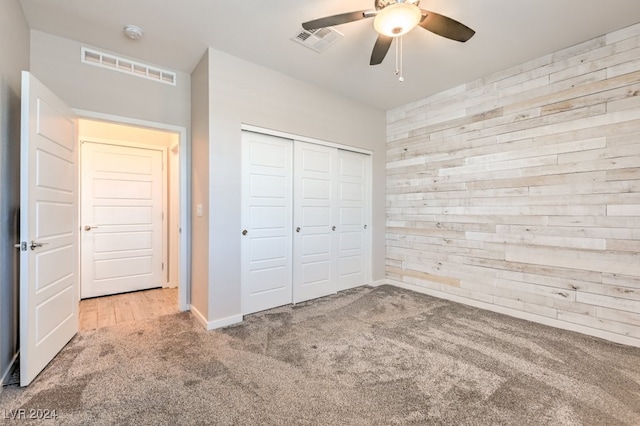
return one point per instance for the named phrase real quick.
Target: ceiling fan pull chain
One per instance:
(397, 71)
(399, 59)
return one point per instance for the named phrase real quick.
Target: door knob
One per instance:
(365, 227)
(89, 227)
(298, 229)
(333, 228)
(244, 232)
(34, 245)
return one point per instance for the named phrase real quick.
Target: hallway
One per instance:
(104, 311)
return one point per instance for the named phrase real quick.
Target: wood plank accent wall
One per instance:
(520, 192)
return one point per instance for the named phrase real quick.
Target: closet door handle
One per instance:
(333, 228)
(298, 229)
(244, 232)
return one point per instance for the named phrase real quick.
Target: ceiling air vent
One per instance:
(318, 40)
(106, 60)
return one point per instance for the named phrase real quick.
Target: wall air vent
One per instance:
(318, 40)
(106, 60)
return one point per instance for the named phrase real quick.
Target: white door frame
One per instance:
(184, 261)
(294, 137)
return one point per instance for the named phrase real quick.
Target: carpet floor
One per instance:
(368, 356)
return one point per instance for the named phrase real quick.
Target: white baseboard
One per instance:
(378, 283)
(212, 325)
(224, 322)
(201, 319)
(612, 337)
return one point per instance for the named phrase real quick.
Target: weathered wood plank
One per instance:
(425, 276)
(601, 324)
(522, 189)
(612, 262)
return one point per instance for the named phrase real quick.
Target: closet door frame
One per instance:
(368, 192)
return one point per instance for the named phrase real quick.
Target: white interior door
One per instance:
(122, 219)
(267, 222)
(316, 220)
(48, 228)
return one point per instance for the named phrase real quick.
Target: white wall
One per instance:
(200, 132)
(55, 61)
(113, 132)
(242, 92)
(520, 192)
(14, 57)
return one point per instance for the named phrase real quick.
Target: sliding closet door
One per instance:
(267, 208)
(353, 212)
(315, 244)
(305, 215)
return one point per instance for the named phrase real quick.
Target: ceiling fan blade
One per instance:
(380, 49)
(343, 18)
(446, 27)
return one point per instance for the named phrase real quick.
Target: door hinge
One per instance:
(163, 266)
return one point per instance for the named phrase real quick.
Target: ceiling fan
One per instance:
(394, 18)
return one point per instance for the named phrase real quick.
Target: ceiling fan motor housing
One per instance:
(381, 4)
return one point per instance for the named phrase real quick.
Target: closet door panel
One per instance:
(315, 218)
(267, 205)
(353, 214)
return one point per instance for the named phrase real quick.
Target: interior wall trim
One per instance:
(286, 135)
(224, 322)
(198, 316)
(612, 337)
(212, 325)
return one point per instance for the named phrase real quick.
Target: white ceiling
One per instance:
(508, 32)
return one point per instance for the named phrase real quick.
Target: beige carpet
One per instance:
(380, 356)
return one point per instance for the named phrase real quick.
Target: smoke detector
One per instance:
(133, 32)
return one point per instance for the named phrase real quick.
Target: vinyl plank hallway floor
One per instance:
(104, 311)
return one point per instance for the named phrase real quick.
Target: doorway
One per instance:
(106, 311)
(130, 183)
(49, 226)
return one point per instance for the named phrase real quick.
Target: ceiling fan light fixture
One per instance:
(397, 19)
